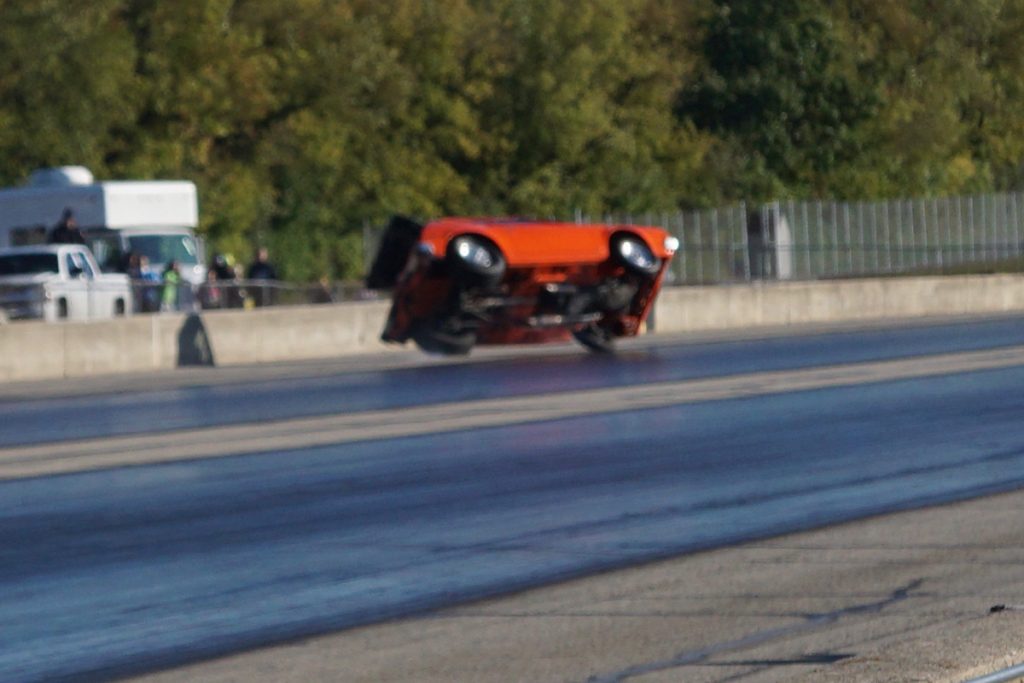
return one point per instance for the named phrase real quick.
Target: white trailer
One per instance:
(154, 218)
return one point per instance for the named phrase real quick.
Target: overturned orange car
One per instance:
(458, 282)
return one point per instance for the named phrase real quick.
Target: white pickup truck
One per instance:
(60, 282)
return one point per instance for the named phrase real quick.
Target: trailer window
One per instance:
(28, 264)
(24, 237)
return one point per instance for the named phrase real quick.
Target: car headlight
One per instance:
(671, 244)
(636, 252)
(471, 251)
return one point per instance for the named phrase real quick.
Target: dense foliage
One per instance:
(304, 121)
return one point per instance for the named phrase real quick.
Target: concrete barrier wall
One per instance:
(787, 303)
(37, 350)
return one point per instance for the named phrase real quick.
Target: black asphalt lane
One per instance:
(107, 573)
(24, 422)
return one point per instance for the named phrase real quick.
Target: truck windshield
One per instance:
(28, 264)
(165, 248)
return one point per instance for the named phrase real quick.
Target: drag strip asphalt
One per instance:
(121, 554)
(283, 435)
(193, 399)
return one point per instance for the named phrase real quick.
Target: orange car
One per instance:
(463, 281)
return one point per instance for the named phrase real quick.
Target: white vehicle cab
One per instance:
(60, 282)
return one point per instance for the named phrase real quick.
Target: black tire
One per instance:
(438, 337)
(634, 254)
(399, 238)
(62, 309)
(595, 338)
(473, 260)
(119, 308)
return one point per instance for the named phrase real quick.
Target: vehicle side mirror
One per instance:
(75, 272)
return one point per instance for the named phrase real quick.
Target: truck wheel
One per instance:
(119, 308)
(62, 309)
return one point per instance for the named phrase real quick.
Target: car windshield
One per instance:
(28, 264)
(165, 248)
(106, 249)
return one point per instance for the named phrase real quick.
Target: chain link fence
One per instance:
(826, 239)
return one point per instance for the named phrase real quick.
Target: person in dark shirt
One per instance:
(66, 231)
(262, 271)
(260, 268)
(222, 268)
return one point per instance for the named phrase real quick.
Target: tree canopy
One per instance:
(303, 122)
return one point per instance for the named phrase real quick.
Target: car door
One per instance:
(78, 290)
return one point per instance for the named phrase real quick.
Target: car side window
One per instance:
(86, 267)
(77, 264)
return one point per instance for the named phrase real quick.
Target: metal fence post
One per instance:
(745, 241)
(1016, 223)
(714, 244)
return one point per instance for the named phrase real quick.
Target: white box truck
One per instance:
(154, 218)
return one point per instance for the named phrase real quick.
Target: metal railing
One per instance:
(151, 297)
(29, 302)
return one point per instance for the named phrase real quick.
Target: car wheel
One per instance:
(397, 241)
(438, 336)
(475, 261)
(634, 254)
(595, 338)
(62, 309)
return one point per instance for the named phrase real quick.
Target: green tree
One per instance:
(68, 85)
(782, 93)
(580, 114)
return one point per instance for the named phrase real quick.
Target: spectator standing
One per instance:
(134, 273)
(227, 280)
(261, 271)
(221, 268)
(172, 280)
(151, 284)
(211, 295)
(66, 231)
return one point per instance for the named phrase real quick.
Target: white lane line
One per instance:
(263, 437)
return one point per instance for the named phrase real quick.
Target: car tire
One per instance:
(473, 261)
(437, 336)
(595, 338)
(398, 240)
(62, 309)
(631, 252)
